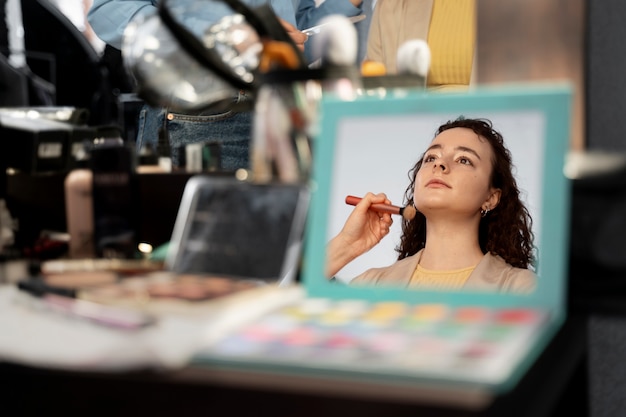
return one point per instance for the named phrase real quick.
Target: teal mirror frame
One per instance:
(553, 101)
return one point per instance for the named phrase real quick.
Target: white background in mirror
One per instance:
(376, 153)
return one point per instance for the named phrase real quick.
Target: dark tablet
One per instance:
(234, 228)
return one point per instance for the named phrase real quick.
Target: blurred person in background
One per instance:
(224, 125)
(448, 26)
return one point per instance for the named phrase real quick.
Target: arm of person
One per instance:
(296, 35)
(109, 18)
(363, 230)
(308, 14)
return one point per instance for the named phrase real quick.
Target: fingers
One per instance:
(385, 224)
(386, 219)
(376, 198)
(382, 228)
(370, 199)
(296, 35)
(366, 225)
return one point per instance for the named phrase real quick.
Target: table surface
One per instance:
(554, 385)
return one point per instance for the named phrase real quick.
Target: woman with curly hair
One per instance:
(471, 230)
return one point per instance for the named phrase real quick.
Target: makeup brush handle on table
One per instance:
(408, 213)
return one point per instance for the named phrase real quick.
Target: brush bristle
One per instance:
(413, 57)
(409, 212)
(337, 43)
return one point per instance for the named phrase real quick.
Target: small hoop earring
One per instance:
(483, 212)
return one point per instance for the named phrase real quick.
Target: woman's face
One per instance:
(455, 175)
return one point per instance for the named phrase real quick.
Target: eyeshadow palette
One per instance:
(168, 292)
(396, 339)
(407, 343)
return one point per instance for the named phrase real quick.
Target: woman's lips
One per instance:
(437, 184)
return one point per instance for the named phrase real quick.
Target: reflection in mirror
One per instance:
(476, 182)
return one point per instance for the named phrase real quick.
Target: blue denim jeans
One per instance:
(232, 130)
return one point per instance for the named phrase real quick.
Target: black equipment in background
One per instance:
(60, 54)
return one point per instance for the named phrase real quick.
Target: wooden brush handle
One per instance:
(383, 208)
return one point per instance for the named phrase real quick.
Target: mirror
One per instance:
(386, 169)
(391, 134)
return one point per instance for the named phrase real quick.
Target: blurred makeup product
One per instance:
(413, 65)
(150, 292)
(193, 157)
(63, 301)
(373, 69)
(64, 284)
(286, 108)
(79, 213)
(166, 286)
(408, 212)
(337, 44)
(92, 265)
(198, 157)
(414, 58)
(164, 150)
(113, 190)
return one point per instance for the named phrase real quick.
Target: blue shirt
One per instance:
(109, 18)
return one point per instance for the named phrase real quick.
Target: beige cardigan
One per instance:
(492, 274)
(449, 27)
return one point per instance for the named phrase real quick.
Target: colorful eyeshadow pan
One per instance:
(430, 338)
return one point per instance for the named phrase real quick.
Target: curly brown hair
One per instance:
(504, 231)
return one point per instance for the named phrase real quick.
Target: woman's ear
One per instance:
(493, 200)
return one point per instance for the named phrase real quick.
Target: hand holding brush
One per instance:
(408, 212)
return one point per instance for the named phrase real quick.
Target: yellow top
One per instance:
(451, 38)
(440, 280)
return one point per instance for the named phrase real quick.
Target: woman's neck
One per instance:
(451, 245)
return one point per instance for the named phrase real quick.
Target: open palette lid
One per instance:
(414, 344)
(370, 144)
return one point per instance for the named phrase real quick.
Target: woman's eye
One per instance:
(464, 161)
(429, 158)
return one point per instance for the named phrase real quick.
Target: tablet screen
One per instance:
(232, 228)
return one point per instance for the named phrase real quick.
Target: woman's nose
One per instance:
(439, 164)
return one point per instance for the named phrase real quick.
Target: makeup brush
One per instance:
(408, 212)
(414, 58)
(337, 44)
